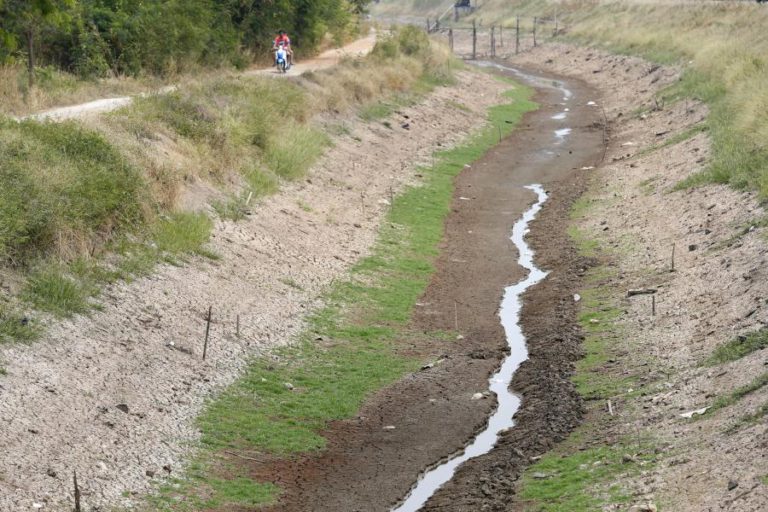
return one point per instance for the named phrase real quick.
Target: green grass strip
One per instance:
(749, 419)
(284, 401)
(733, 397)
(739, 347)
(583, 481)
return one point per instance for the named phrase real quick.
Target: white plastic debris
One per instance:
(697, 412)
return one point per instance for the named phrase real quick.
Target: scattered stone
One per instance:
(150, 473)
(123, 407)
(646, 507)
(477, 396)
(732, 484)
(167, 468)
(627, 458)
(693, 247)
(289, 386)
(540, 476)
(50, 472)
(389, 427)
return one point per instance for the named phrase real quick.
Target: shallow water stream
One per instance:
(508, 402)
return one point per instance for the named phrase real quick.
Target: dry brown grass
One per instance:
(56, 88)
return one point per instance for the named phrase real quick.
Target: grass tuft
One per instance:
(724, 401)
(582, 481)
(51, 291)
(182, 233)
(17, 327)
(738, 347)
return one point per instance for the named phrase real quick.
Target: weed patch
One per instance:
(17, 327)
(581, 480)
(736, 395)
(749, 419)
(52, 291)
(739, 347)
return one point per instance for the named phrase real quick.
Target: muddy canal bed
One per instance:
(370, 466)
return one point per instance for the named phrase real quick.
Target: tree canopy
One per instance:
(99, 37)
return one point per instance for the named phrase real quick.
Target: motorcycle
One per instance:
(281, 59)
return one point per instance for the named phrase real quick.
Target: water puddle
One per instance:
(561, 134)
(501, 419)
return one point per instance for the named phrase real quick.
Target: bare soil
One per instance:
(114, 395)
(368, 467)
(716, 292)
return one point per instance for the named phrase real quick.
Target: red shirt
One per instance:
(283, 38)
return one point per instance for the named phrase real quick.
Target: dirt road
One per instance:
(369, 468)
(325, 60)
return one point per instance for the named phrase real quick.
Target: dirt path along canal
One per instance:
(368, 467)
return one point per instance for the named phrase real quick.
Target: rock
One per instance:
(150, 473)
(646, 507)
(289, 386)
(167, 468)
(626, 458)
(477, 396)
(693, 247)
(732, 484)
(50, 472)
(390, 427)
(540, 476)
(122, 407)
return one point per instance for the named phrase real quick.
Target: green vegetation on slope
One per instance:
(584, 472)
(351, 347)
(739, 347)
(721, 47)
(84, 206)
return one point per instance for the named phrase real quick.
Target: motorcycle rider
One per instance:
(283, 39)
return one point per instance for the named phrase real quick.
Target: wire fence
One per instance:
(472, 41)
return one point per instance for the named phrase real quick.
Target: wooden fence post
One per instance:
(501, 35)
(455, 14)
(493, 42)
(517, 36)
(474, 40)
(207, 331)
(437, 25)
(78, 507)
(534, 31)
(554, 34)
(450, 39)
(429, 27)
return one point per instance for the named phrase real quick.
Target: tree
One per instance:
(23, 20)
